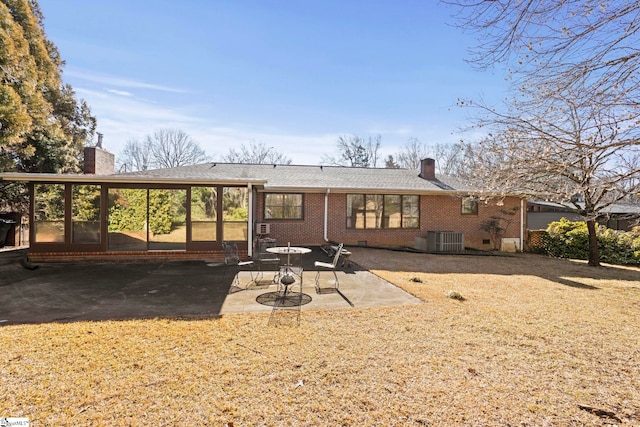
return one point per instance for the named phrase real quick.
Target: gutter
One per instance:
(326, 215)
(113, 179)
(522, 225)
(250, 224)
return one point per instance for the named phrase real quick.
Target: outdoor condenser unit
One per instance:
(445, 241)
(263, 228)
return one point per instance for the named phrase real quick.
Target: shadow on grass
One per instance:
(562, 271)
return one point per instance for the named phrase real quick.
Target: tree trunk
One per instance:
(594, 251)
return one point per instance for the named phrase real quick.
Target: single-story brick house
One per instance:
(187, 212)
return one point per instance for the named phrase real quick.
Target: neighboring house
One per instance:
(186, 212)
(618, 216)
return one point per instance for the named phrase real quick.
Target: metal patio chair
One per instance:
(325, 266)
(232, 259)
(265, 260)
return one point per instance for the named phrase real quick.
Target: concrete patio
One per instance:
(64, 292)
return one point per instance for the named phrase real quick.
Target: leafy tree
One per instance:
(390, 163)
(128, 210)
(568, 239)
(257, 154)
(160, 208)
(43, 127)
(86, 202)
(355, 151)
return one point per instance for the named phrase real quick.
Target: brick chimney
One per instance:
(428, 169)
(98, 161)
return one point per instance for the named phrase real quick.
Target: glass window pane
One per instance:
(374, 204)
(127, 219)
(392, 212)
(355, 211)
(410, 211)
(49, 213)
(235, 213)
(204, 202)
(283, 206)
(167, 219)
(469, 206)
(85, 214)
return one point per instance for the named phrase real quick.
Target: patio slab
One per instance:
(64, 292)
(357, 287)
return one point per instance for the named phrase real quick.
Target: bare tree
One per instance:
(577, 148)
(449, 157)
(165, 148)
(571, 135)
(571, 43)
(411, 153)
(355, 151)
(173, 148)
(256, 153)
(136, 156)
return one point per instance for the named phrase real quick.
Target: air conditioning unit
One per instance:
(445, 241)
(263, 228)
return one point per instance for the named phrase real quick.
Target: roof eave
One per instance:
(114, 179)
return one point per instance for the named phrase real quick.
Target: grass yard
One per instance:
(536, 341)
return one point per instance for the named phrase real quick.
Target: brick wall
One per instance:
(443, 213)
(307, 232)
(130, 256)
(98, 161)
(437, 213)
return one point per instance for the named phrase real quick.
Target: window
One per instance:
(85, 213)
(235, 213)
(283, 206)
(204, 204)
(470, 205)
(49, 213)
(141, 219)
(411, 211)
(374, 211)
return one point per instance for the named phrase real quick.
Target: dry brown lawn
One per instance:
(536, 341)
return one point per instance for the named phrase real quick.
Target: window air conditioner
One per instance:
(263, 228)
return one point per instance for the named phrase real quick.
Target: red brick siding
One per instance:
(444, 213)
(437, 213)
(307, 231)
(98, 161)
(130, 256)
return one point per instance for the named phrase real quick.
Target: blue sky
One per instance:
(294, 75)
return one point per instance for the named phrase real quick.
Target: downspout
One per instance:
(326, 216)
(250, 224)
(522, 225)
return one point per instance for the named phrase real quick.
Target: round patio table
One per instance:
(287, 270)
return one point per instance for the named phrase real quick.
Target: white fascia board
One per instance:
(53, 177)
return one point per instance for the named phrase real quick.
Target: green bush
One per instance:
(128, 211)
(570, 239)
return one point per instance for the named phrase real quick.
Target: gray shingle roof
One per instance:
(309, 178)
